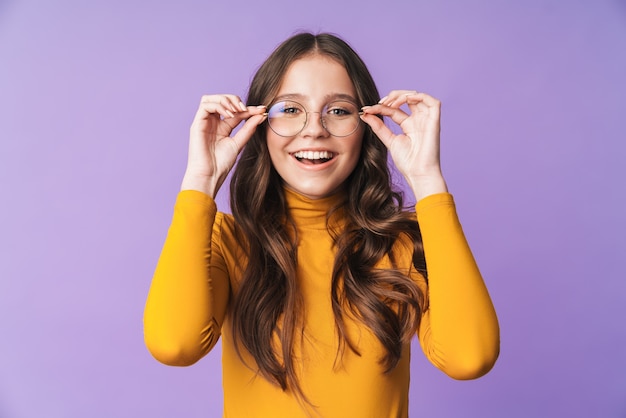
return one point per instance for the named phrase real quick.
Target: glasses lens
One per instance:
(341, 118)
(286, 118)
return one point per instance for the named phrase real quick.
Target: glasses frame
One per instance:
(306, 120)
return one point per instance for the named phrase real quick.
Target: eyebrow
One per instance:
(327, 98)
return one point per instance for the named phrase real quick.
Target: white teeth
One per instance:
(313, 155)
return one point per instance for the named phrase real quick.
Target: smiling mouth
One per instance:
(313, 157)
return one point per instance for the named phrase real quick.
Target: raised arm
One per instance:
(459, 333)
(189, 292)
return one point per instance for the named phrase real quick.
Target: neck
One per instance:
(308, 212)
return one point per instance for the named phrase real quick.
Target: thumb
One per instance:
(245, 132)
(379, 128)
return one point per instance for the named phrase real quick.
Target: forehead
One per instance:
(316, 78)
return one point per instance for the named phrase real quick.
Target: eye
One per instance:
(337, 111)
(291, 109)
(285, 110)
(340, 109)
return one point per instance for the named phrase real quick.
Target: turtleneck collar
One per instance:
(310, 213)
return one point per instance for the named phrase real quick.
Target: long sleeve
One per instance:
(459, 333)
(189, 293)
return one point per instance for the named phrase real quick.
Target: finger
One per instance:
(218, 104)
(418, 103)
(251, 111)
(397, 115)
(379, 128)
(230, 101)
(234, 102)
(245, 133)
(424, 98)
(206, 109)
(395, 96)
(256, 110)
(424, 104)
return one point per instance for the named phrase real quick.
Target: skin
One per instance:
(313, 82)
(415, 151)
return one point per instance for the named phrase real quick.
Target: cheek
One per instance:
(356, 153)
(355, 149)
(273, 146)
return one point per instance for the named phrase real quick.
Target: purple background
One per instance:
(96, 99)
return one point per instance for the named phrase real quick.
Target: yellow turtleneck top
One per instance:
(199, 268)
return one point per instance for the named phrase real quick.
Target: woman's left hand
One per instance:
(415, 151)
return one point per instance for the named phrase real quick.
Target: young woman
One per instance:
(319, 279)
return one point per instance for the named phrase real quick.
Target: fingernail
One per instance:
(242, 106)
(261, 107)
(365, 107)
(229, 113)
(383, 99)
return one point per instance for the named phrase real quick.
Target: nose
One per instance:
(314, 126)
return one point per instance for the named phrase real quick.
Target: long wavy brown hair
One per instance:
(267, 305)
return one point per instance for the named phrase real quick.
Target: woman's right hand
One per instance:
(212, 152)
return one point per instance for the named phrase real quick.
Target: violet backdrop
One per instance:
(96, 99)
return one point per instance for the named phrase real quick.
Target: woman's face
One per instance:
(313, 162)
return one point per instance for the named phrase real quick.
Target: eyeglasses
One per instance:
(288, 118)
